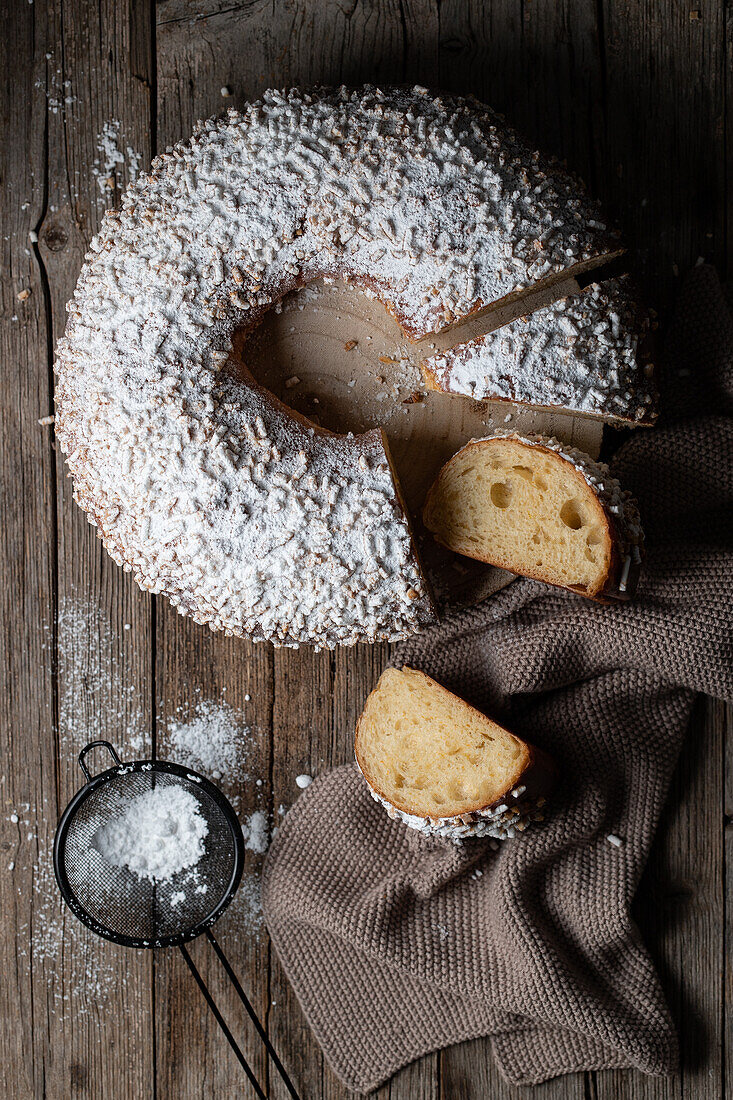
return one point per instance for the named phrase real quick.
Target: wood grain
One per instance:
(28, 533)
(80, 675)
(636, 96)
(194, 664)
(99, 69)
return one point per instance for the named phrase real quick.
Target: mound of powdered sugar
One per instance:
(160, 833)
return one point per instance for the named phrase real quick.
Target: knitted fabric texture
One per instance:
(397, 945)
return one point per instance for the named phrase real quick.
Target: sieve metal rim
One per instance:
(62, 829)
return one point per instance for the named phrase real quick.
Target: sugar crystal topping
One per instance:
(579, 354)
(244, 517)
(502, 822)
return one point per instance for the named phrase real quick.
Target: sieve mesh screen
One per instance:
(118, 903)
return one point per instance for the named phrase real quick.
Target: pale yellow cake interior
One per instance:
(520, 507)
(429, 753)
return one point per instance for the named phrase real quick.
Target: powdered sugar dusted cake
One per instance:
(244, 516)
(581, 354)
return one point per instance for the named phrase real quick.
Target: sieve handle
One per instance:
(222, 1024)
(94, 745)
(252, 1015)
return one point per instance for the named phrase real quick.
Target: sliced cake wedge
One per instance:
(441, 766)
(540, 509)
(589, 354)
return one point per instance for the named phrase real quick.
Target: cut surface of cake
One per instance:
(441, 766)
(539, 509)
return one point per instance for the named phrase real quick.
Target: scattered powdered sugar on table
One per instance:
(215, 742)
(57, 91)
(160, 833)
(256, 829)
(98, 698)
(98, 695)
(244, 917)
(111, 158)
(81, 971)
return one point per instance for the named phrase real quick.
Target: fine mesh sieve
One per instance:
(117, 903)
(138, 912)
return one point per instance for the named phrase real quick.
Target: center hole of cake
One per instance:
(332, 353)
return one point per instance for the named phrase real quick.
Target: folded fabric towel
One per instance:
(397, 945)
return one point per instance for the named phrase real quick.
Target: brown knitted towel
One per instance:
(397, 945)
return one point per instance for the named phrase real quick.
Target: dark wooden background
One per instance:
(636, 94)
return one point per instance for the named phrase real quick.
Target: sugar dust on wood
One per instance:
(214, 741)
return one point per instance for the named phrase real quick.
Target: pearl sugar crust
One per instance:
(214, 495)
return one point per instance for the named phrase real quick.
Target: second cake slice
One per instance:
(443, 767)
(540, 509)
(588, 354)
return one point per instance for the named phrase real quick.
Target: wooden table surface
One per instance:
(633, 94)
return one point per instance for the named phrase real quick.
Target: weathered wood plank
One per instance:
(302, 723)
(99, 1030)
(27, 531)
(727, 130)
(469, 1073)
(662, 167)
(537, 63)
(194, 665)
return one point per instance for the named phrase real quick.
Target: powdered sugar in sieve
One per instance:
(128, 842)
(160, 833)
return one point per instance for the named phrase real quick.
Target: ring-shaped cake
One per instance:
(243, 514)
